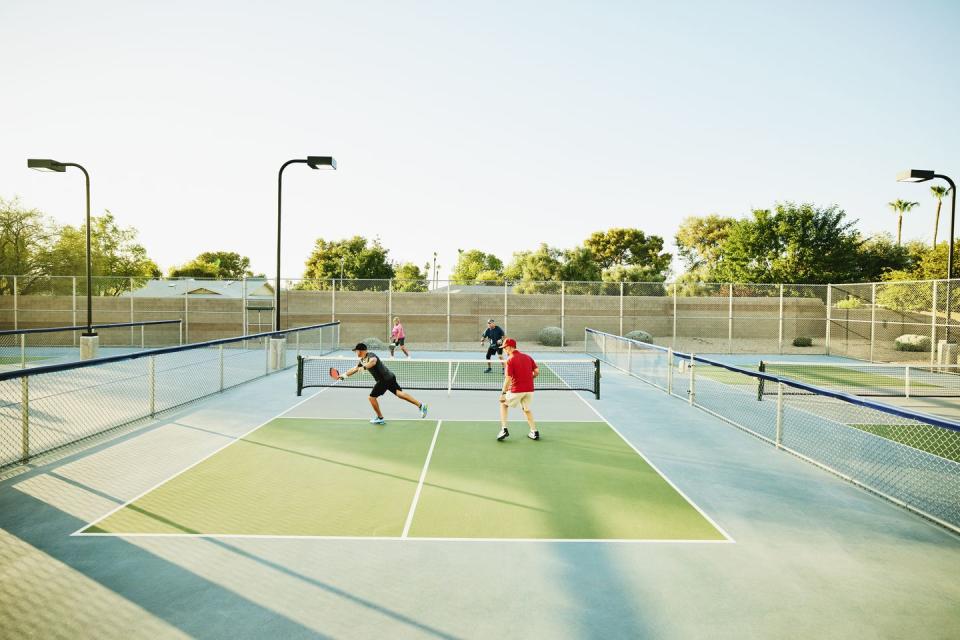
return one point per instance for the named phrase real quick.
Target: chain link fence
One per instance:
(47, 407)
(901, 321)
(910, 458)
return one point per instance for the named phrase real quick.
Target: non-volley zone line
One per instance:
(419, 480)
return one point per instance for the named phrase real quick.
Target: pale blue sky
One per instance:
(493, 125)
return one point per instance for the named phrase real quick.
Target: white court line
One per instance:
(254, 536)
(662, 475)
(423, 475)
(210, 455)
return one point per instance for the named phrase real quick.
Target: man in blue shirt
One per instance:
(495, 335)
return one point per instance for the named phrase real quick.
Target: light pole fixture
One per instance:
(314, 162)
(59, 167)
(922, 175)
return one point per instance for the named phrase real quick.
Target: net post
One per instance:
(221, 367)
(692, 393)
(780, 323)
(730, 321)
(152, 383)
(24, 418)
(299, 375)
(906, 381)
(762, 368)
(670, 371)
(826, 343)
(779, 436)
(596, 378)
(23, 350)
(873, 316)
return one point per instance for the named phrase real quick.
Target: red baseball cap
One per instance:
(510, 342)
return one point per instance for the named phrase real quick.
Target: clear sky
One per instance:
(493, 125)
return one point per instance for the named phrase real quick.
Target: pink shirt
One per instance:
(397, 331)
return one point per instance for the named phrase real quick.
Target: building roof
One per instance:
(178, 288)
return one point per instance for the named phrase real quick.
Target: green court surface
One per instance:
(936, 440)
(348, 478)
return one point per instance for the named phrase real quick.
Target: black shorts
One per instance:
(383, 386)
(399, 342)
(494, 350)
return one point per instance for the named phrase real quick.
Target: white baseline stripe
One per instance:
(662, 475)
(423, 475)
(185, 469)
(257, 536)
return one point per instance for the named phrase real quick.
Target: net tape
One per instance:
(880, 380)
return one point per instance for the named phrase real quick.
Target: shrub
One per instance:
(640, 336)
(374, 343)
(550, 337)
(802, 341)
(912, 342)
(849, 303)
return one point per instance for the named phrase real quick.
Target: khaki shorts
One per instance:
(522, 399)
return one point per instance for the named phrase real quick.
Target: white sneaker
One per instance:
(503, 434)
(377, 421)
(533, 435)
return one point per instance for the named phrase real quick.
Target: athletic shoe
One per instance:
(503, 433)
(487, 370)
(377, 421)
(423, 409)
(533, 435)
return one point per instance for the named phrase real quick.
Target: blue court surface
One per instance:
(802, 553)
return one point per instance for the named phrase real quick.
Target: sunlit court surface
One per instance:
(260, 513)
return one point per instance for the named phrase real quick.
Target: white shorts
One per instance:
(521, 399)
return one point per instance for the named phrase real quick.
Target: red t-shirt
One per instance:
(520, 368)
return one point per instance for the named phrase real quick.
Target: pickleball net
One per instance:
(868, 379)
(462, 375)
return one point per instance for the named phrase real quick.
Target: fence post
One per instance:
(186, 315)
(873, 316)
(673, 339)
(670, 371)
(297, 334)
(621, 308)
(143, 340)
(906, 381)
(829, 318)
(505, 307)
(730, 321)
(180, 329)
(73, 306)
(780, 323)
(266, 356)
(24, 418)
(23, 350)
(563, 311)
(131, 318)
(933, 325)
(389, 307)
(692, 393)
(16, 308)
(779, 436)
(152, 383)
(221, 367)
(448, 315)
(243, 298)
(333, 299)
(629, 357)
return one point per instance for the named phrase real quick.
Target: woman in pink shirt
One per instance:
(397, 338)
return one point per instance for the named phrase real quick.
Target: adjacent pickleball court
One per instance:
(322, 470)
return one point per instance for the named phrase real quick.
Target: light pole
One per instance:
(314, 162)
(60, 167)
(922, 175)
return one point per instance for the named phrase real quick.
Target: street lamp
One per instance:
(922, 175)
(314, 162)
(60, 167)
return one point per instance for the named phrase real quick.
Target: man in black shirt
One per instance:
(385, 381)
(495, 335)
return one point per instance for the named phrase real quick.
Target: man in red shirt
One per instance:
(517, 388)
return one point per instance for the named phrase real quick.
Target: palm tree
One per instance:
(938, 191)
(900, 207)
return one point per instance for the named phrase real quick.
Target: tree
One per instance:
(699, 241)
(791, 244)
(938, 191)
(471, 263)
(621, 248)
(900, 207)
(533, 268)
(408, 277)
(116, 256)
(223, 265)
(356, 258)
(25, 237)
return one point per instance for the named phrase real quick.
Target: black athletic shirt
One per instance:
(495, 334)
(379, 371)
